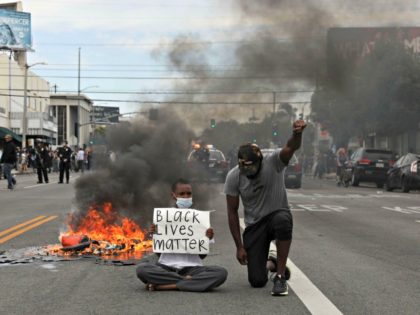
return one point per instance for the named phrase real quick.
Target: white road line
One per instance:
(50, 183)
(418, 221)
(314, 300)
(38, 185)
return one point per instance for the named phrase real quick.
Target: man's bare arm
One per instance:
(233, 217)
(294, 142)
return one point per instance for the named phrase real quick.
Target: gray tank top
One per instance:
(261, 195)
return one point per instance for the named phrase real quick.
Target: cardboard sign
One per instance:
(181, 231)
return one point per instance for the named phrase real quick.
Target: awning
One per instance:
(4, 131)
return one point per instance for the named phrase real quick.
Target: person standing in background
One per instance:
(64, 154)
(80, 160)
(8, 159)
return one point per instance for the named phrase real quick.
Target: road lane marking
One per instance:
(408, 210)
(38, 185)
(314, 208)
(314, 300)
(28, 228)
(418, 221)
(340, 196)
(16, 227)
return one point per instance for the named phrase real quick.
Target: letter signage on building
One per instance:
(15, 30)
(348, 46)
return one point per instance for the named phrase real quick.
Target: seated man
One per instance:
(183, 272)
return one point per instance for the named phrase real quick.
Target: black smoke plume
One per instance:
(150, 156)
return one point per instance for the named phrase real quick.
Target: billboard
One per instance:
(347, 47)
(15, 30)
(105, 114)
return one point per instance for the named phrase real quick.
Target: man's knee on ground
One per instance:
(257, 282)
(143, 270)
(222, 274)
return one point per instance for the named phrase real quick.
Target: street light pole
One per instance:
(80, 124)
(25, 102)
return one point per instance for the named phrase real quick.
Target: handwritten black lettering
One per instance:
(193, 244)
(201, 247)
(159, 216)
(178, 216)
(195, 217)
(190, 230)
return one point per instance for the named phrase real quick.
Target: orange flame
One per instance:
(110, 233)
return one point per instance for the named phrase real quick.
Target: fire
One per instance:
(104, 233)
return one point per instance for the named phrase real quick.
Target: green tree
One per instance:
(381, 95)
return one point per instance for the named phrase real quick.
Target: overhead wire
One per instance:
(75, 98)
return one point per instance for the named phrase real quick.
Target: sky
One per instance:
(122, 42)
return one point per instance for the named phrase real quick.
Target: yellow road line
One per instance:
(16, 227)
(30, 227)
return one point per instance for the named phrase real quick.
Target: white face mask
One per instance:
(184, 203)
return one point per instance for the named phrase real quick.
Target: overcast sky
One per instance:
(117, 38)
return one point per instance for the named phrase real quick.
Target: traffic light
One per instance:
(275, 131)
(212, 123)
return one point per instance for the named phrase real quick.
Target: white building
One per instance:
(41, 124)
(73, 118)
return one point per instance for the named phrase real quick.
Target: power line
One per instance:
(130, 65)
(170, 92)
(170, 102)
(154, 78)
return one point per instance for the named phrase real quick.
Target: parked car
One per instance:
(369, 165)
(214, 167)
(293, 172)
(404, 174)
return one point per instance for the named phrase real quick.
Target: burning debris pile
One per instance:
(104, 233)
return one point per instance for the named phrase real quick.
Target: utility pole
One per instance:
(274, 102)
(25, 106)
(79, 112)
(25, 102)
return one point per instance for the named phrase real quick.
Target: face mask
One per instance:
(184, 203)
(250, 170)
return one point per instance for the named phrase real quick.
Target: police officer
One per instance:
(64, 154)
(42, 162)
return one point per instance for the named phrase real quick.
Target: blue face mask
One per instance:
(184, 203)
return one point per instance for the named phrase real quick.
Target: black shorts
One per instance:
(257, 238)
(275, 226)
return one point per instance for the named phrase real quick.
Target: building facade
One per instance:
(72, 112)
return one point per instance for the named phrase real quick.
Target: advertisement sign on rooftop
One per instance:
(15, 30)
(348, 47)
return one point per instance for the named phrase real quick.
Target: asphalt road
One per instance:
(355, 251)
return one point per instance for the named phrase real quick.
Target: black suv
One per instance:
(369, 165)
(405, 174)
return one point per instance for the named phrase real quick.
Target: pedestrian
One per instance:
(320, 165)
(184, 272)
(259, 182)
(80, 160)
(42, 159)
(341, 161)
(8, 159)
(64, 154)
(23, 161)
(88, 154)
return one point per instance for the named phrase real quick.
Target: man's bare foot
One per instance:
(150, 287)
